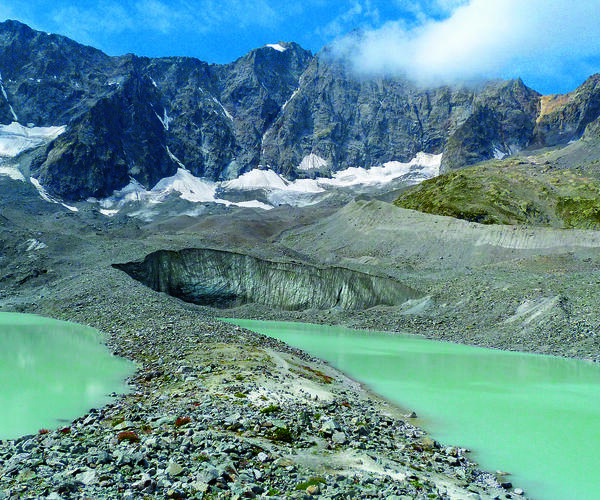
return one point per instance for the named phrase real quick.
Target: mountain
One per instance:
(557, 187)
(278, 107)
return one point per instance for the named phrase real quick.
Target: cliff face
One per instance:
(350, 121)
(565, 117)
(118, 138)
(278, 106)
(225, 279)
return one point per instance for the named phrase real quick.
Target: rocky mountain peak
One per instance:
(278, 107)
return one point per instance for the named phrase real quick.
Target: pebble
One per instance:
(174, 469)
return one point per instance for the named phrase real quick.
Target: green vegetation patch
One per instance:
(268, 410)
(510, 192)
(282, 435)
(579, 212)
(313, 481)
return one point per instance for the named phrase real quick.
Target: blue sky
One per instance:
(552, 44)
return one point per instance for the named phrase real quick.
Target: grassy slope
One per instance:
(558, 188)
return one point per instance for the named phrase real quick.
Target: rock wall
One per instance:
(225, 279)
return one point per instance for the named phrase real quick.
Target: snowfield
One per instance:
(272, 188)
(16, 138)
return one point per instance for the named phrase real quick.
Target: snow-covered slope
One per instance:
(271, 188)
(15, 138)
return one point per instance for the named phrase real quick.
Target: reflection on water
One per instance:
(52, 371)
(536, 416)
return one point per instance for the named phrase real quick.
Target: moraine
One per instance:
(535, 416)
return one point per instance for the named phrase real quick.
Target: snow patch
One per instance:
(423, 166)
(33, 245)
(2, 88)
(189, 187)
(165, 120)
(312, 162)
(45, 196)
(290, 99)
(253, 204)
(277, 46)
(227, 113)
(15, 138)
(108, 213)
(276, 189)
(12, 172)
(535, 310)
(174, 158)
(499, 155)
(257, 179)
(12, 111)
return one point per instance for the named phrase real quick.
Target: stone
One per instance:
(518, 491)
(339, 437)
(199, 486)
(262, 457)
(168, 419)
(329, 426)
(313, 489)
(173, 468)
(284, 462)
(143, 482)
(25, 475)
(123, 425)
(363, 430)
(87, 477)
(208, 475)
(29, 445)
(427, 443)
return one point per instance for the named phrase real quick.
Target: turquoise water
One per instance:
(52, 372)
(537, 417)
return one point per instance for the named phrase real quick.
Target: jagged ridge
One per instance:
(135, 117)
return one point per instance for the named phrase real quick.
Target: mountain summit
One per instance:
(279, 106)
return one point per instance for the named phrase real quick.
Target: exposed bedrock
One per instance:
(225, 279)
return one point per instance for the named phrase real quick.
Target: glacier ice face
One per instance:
(226, 279)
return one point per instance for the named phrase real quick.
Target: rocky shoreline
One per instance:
(220, 412)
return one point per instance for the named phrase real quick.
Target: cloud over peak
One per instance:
(480, 39)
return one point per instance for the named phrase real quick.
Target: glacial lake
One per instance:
(537, 417)
(52, 372)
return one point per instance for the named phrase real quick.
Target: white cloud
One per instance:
(357, 12)
(483, 39)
